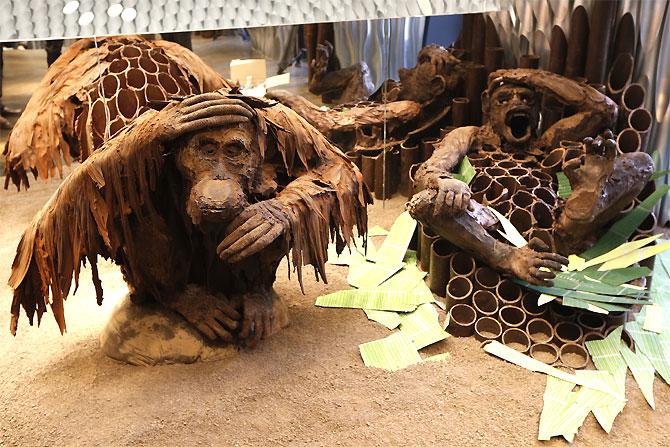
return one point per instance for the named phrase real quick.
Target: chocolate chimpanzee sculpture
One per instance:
(603, 182)
(417, 102)
(197, 203)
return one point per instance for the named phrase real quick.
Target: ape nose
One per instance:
(216, 200)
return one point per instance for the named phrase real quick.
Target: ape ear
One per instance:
(437, 85)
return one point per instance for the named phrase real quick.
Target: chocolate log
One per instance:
(577, 41)
(620, 75)
(602, 22)
(558, 45)
(626, 37)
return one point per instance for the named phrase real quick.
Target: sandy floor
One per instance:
(305, 386)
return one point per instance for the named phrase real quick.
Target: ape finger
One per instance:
(246, 326)
(267, 325)
(229, 311)
(257, 245)
(449, 199)
(207, 123)
(543, 274)
(458, 201)
(229, 323)
(556, 258)
(538, 244)
(204, 329)
(239, 232)
(220, 101)
(220, 331)
(551, 265)
(439, 202)
(216, 110)
(244, 242)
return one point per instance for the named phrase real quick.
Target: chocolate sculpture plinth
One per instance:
(513, 159)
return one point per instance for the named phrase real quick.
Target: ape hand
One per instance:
(201, 112)
(257, 318)
(214, 316)
(453, 197)
(254, 229)
(535, 264)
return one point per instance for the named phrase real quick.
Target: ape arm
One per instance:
(594, 111)
(449, 152)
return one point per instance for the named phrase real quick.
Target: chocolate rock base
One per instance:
(148, 334)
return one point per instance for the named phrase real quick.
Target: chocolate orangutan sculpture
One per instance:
(198, 202)
(514, 161)
(418, 101)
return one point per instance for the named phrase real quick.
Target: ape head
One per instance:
(219, 168)
(435, 73)
(513, 111)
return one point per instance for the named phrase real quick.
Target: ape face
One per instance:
(219, 167)
(431, 77)
(514, 114)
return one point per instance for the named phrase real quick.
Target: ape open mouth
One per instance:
(519, 124)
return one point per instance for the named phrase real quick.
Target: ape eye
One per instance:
(209, 148)
(233, 150)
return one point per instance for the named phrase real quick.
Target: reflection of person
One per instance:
(183, 38)
(4, 110)
(53, 48)
(601, 185)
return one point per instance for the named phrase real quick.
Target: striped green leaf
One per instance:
(564, 188)
(391, 353)
(643, 372)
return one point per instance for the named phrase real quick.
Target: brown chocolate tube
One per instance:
(503, 208)
(546, 195)
(620, 75)
(459, 291)
(567, 332)
(625, 38)
(540, 331)
(591, 322)
(426, 238)
(558, 46)
(542, 215)
(516, 339)
(575, 57)
(427, 147)
(495, 171)
(573, 356)
(475, 81)
(628, 208)
(509, 293)
(617, 318)
(511, 317)
(478, 39)
(529, 305)
(544, 178)
(529, 182)
(600, 88)
(510, 183)
(554, 161)
(409, 155)
(438, 277)
(522, 199)
(629, 141)
(462, 320)
(492, 38)
(460, 111)
(545, 236)
(462, 264)
(521, 219)
(591, 336)
(572, 152)
(631, 99)
(558, 312)
(496, 193)
(494, 58)
(412, 172)
(640, 119)
(648, 190)
(544, 353)
(603, 14)
(486, 279)
(465, 39)
(387, 173)
(648, 225)
(355, 158)
(479, 186)
(529, 61)
(485, 303)
(368, 160)
(487, 328)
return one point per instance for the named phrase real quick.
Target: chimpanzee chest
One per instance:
(522, 187)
